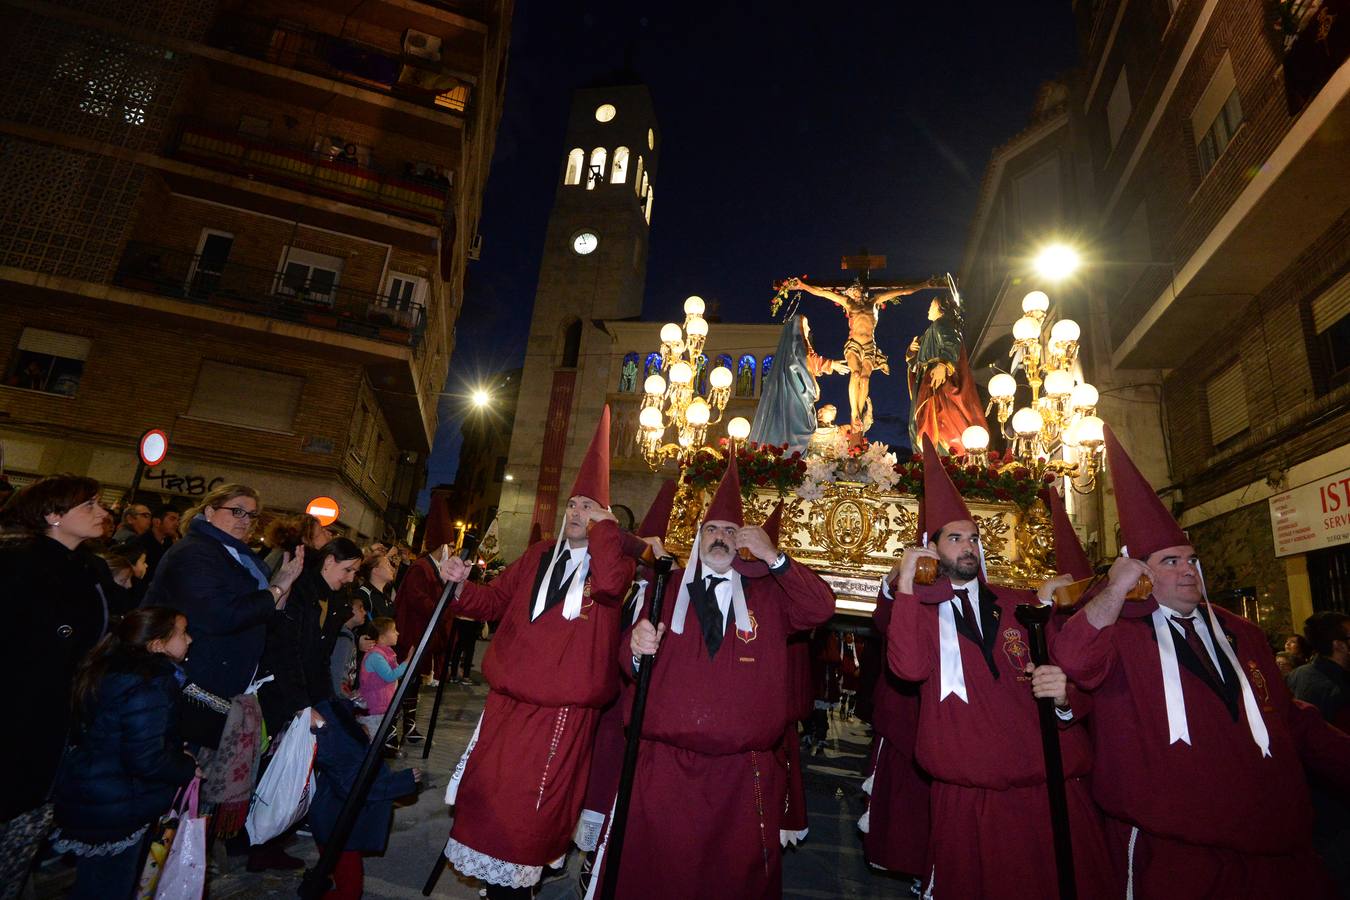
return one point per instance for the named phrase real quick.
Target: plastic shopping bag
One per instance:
(283, 794)
(160, 845)
(184, 873)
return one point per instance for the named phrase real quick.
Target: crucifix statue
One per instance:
(862, 302)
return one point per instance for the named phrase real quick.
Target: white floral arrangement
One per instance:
(846, 460)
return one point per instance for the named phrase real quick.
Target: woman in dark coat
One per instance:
(300, 638)
(340, 749)
(213, 578)
(126, 759)
(56, 612)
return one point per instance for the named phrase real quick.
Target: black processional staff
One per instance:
(1034, 619)
(614, 846)
(318, 879)
(444, 676)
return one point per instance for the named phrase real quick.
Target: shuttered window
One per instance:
(54, 343)
(48, 361)
(1227, 397)
(1332, 306)
(239, 395)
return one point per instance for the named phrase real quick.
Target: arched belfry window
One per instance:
(643, 191)
(596, 173)
(571, 350)
(575, 161)
(765, 368)
(638, 176)
(651, 190)
(619, 173)
(653, 366)
(628, 374)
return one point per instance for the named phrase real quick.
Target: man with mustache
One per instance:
(552, 666)
(978, 732)
(1200, 750)
(708, 793)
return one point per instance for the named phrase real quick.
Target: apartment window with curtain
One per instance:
(1226, 397)
(1216, 116)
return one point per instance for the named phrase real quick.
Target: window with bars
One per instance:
(1226, 396)
(48, 361)
(1331, 325)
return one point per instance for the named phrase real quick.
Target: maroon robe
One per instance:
(523, 785)
(990, 834)
(1216, 819)
(897, 811)
(418, 595)
(706, 804)
(800, 700)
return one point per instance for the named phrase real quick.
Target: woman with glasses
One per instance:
(55, 613)
(228, 594)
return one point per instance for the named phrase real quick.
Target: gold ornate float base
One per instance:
(853, 534)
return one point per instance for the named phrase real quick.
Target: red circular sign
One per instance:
(325, 509)
(154, 447)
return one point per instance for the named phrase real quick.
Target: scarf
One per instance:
(236, 548)
(231, 770)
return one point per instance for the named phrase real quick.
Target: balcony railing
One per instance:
(295, 46)
(312, 172)
(265, 292)
(1317, 41)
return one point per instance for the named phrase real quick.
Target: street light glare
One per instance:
(480, 398)
(1057, 262)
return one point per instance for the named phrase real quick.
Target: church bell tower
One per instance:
(594, 267)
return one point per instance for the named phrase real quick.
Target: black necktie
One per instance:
(555, 581)
(968, 609)
(714, 627)
(1197, 646)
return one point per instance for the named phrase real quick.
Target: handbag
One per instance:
(183, 876)
(283, 794)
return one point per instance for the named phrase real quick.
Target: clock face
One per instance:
(585, 243)
(605, 112)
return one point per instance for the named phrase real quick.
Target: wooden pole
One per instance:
(614, 849)
(1034, 619)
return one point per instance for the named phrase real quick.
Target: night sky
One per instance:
(793, 133)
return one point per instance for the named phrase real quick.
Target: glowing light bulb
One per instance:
(681, 373)
(1027, 422)
(671, 333)
(1064, 331)
(693, 306)
(698, 412)
(975, 438)
(720, 377)
(1089, 431)
(650, 418)
(738, 428)
(1026, 329)
(1002, 386)
(1058, 383)
(1057, 262)
(1035, 302)
(655, 385)
(697, 325)
(1084, 396)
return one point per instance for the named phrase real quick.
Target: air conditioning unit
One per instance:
(476, 247)
(423, 46)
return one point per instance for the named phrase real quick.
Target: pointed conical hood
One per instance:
(726, 503)
(439, 528)
(1145, 524)
(593, 476)
(941, 502)
(656, 521)
(1069, 556)
(774, 523)
(536, 534)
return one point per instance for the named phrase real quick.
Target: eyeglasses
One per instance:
(239, 512)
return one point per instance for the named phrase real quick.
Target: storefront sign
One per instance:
(1312, 516)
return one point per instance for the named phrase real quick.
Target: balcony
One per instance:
(420, 198)
(265, 292)
(295, 46)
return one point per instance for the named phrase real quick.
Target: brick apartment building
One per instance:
(245, 223)
(1204, 154)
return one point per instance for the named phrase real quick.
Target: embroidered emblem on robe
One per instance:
(1015, 648)
(1259, 686)
(753, 633)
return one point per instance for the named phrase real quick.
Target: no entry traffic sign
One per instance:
(325, 509)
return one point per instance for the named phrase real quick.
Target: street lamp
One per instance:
(481, 398)
(1057, 262)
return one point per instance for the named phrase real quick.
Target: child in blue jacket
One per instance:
(341, 744)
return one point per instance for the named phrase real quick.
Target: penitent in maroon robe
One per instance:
(1215, 818)
(990, 834)
(525, 776)
(896, 837)
(801, 698)
(707, 796)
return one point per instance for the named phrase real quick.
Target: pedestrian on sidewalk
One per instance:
(126, 760)
(380, 672)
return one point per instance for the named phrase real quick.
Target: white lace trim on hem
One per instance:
(63, 844)
(786, 837)
(472, 864)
